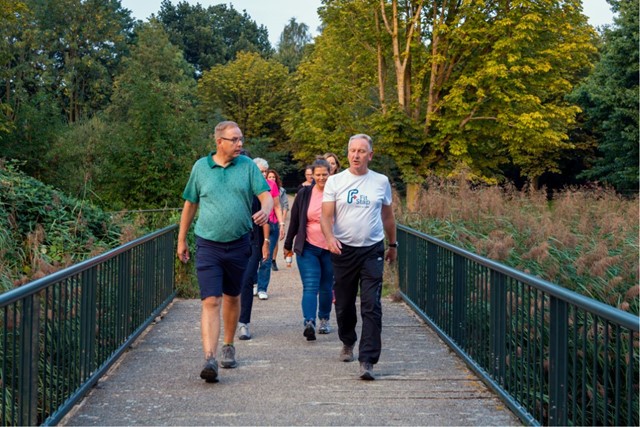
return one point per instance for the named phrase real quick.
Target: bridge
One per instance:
(103, 342)
(282, 379)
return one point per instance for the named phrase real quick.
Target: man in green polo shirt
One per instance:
(222, 185)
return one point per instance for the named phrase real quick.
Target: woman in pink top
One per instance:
(312, 256)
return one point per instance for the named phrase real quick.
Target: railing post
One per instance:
(29, 351)
(558, 363)
(498, 325)
(459, 299)
(432, 280)
(87, 322)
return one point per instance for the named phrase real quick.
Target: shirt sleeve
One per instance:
(191, 191)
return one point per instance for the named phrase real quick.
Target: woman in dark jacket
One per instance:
(312, 255)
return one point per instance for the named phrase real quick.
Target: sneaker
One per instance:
(274, 266)
(228, 359)
(324, 328)
(366, 371)
(309, 331)
(243, 332)
(255, 290)
(263, 295)
(209, 372)
(346, 354)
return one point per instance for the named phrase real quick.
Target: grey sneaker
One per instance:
(209, 372)
(324, 327)
(228, 359)
(309, 331)
(366, 371)
(243, 332)
(346, 354)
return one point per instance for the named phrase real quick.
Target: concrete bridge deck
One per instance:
(282, 379)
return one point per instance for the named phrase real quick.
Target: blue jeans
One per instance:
(264, 272)
(316, 272)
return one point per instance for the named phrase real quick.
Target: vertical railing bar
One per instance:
(574, 367)
(530, 395)
(5, 331)
(630, 377)
(594, 372)
(585, 327)
(605, 382)
(537, 384)
(618, 352)
(558, 362)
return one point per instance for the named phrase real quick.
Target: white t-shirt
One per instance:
(359, 200)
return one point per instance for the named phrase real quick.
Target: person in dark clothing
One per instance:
(259, 252)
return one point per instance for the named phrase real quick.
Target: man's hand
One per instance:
(260, 218)
(183, 252)
(391, 255)
(334, 245)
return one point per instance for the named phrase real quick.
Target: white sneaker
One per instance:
(243, 332)
(263, 295)
(255, 290)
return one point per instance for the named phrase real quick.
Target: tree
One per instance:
(213, 35)
(486, 82)
(252, 91)
(153, 136)
(291, 48)
(86, 39)
(609, 98)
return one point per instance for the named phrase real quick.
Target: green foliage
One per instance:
(139, 153)
(335, 85)
(44, 230)
(609, 98)
(252, 91)
(292, 45)
(214, 35)
(486, 83)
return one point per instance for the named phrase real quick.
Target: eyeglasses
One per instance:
(234, 140)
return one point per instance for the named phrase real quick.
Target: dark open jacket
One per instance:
(298, 220)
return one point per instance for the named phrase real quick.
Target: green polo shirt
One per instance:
(224, 196)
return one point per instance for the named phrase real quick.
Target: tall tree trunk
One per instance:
(401, 59)
(381, 65)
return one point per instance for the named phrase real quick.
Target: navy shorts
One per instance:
(220, 266)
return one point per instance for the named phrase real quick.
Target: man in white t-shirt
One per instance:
(356, 215)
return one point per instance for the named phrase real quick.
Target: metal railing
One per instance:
(555, 357)
(61, 333)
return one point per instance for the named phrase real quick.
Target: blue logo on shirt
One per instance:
(353, 198)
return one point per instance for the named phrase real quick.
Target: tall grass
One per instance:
(584, 239)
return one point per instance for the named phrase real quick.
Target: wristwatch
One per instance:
(393, 245)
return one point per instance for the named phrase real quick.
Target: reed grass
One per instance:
(584, 239)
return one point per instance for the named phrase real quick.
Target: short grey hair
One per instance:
(261, 163)
(222, 126)
(362, 136)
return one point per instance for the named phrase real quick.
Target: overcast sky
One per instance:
(274, 14)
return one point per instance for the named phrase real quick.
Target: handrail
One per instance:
(61, 333)
(606, 311)
(555, 357)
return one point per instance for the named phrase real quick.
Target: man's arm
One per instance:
(266, 204)
(326, 224)
(389, 224)
(265, 244)
(186, 218)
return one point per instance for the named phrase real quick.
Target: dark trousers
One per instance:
(249, 278)
(360, 268)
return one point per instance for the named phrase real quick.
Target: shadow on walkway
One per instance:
(284, 380)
